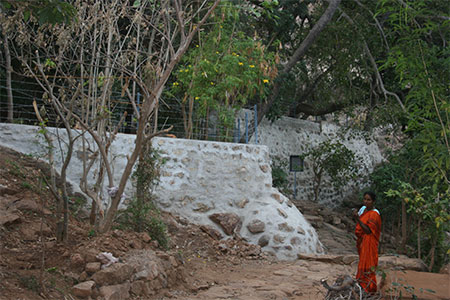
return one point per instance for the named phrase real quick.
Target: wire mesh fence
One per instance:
(169, 113)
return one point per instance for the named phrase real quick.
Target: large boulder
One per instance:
(229, 222)
(83, 289)
(401, 262)
(116, 292)
(115, 274)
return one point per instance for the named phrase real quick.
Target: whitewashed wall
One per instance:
(289, 136)
(200, 179)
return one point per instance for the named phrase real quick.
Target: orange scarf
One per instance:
(367, 245)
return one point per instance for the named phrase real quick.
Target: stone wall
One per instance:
(226, 187)
(289, 136)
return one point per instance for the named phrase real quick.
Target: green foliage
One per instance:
(419, 173)
(26, 185)
(52, 270)
(91, 233)
(334, 159)
(434, 213)
(16, 169)
(401, 178)
(279, 174)
(141, 214)
(30, 283)
(421, 65)
(140, 217)
(45, 11)
(224, 69)
(147, 173)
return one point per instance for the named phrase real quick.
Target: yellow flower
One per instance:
(221, 26)
(234, 54)
(252, 66)
(175, 83)
(241, 63)
(212, 83)
(181, 71)
(265, 80)
(196, 46)
(217, 52)
(190, 66)
(186, 70)
(196, 98)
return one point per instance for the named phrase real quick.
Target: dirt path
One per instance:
(260, 280)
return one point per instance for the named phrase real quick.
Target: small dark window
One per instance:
(296, 163)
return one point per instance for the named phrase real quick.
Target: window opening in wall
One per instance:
(296, 164)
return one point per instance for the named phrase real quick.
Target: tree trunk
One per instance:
(317, 182)
(398, 231)
(404, 228)
(418, 239)
(298, 54)
(10, 115)
(433, 248)
(148, 106)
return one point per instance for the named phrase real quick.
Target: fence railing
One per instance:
(169, 113)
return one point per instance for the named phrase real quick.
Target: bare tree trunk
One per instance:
(10, 115)
(404, 228)
(397, 232)
(432, 251)
(317, 181)
(418, 239)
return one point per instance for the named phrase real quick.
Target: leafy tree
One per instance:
(334, 159)
(416, 33)
(222, 71)
(298, 48)
(45, 11)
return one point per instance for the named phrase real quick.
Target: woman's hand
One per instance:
(355, 214)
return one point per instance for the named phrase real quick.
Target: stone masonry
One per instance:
(225, 186)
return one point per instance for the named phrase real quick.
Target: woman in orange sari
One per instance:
(368, 229)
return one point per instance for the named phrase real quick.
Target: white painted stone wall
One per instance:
(200, 179)
(289, 136)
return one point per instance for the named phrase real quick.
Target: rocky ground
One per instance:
(196, 266)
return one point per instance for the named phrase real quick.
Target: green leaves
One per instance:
(417, 57)
(137, 3)
(336, 160)
(44, 11)
(223, 70)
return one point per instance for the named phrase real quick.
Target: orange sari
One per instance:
(367, 245)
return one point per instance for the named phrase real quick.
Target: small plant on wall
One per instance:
(334, 159)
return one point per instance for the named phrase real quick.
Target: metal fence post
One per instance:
(246, 127)
(239, 130)
(256, 123)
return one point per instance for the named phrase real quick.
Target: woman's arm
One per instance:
(364, 227)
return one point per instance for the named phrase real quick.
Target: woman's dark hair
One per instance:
(371, 194)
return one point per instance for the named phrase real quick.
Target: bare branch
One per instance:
(298, 54)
